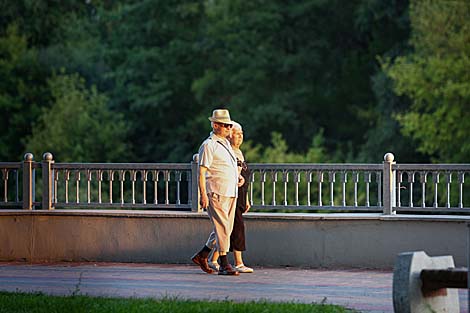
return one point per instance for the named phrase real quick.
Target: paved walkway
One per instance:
(363, 290)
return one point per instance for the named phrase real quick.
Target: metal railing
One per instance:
(419, 186)
(11, 181)
(386, 187)
(314, 186)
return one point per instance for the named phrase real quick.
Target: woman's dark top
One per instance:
(237, 238)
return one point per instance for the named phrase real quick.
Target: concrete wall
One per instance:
(313, 240)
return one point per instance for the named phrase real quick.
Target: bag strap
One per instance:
(233, 158)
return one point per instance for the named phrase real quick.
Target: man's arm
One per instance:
(204, 200)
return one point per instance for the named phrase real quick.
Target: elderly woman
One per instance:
(237, 238)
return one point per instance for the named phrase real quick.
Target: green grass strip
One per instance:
(39, 303)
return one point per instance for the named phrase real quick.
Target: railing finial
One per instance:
(47, 156)
(28, 156)
(389, 157)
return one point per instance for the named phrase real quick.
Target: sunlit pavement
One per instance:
(361, 289)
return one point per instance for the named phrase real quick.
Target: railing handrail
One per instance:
(122, 166)
(432, 167)
(11, 165)
(316, 166)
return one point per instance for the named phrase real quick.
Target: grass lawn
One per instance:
(32, 303)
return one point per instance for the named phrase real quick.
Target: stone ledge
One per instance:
(251, 215)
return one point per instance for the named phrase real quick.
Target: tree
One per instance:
(436, 78)
(299, 66)
(21, 89)
(153, 59)
(78, 127)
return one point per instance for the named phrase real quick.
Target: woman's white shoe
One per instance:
(214, 265)
(243, 269)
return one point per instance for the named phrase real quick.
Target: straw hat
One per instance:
(221, 116)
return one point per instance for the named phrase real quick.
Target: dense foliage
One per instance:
(310, 80)
(436, 77)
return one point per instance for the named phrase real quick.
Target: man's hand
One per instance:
(204, 201)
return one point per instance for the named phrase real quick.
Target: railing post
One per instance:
(47, 181)
(195, 206)
(388, 185)
(28, 181)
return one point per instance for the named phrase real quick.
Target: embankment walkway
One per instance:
(360, 289)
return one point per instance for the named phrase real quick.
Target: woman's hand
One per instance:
(248, 206)
(241, 181)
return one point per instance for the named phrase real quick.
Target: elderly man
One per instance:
(237, 238)
(218, 185)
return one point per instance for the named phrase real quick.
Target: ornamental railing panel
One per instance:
(332, 187)
(432, 187)
(122, 185)
(10, 184)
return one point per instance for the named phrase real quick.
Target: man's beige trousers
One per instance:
(221, 211)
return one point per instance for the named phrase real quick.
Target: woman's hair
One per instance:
(236, 125)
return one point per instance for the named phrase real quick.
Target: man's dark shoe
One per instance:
(202, 262)
(228, 270)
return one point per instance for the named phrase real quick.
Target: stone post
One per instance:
(468, 268)
(47, 181)
(28, 181)
(389, 185)
(195, 206)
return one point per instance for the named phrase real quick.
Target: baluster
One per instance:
(411, 180)
(17, 186)
(355, 177)
(309, 181)
(423, 179)
(344, 180)
(122, 177)
(331, 178)
(77, 182)
(100, 180)
(189, 179)
(5, 184)
(56, 179)
(144, 177)
(178, 179)
(285, 180)
(155, 185)
(378, 180)
(367, 180)
(133, 177)
(263, 180)
(88, 178)
(166, 176)
(252, 180)
(296, 181)
(111, 179)
(435, 180)
(448, 181)
(67, 178)
(399, 181)
(320, 181)
(274, 177)
(461, 180)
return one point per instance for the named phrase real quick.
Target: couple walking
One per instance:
(223, 186)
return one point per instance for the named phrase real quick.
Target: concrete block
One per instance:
(407, 295)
